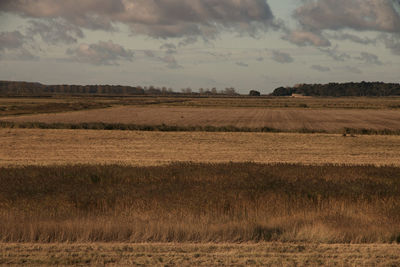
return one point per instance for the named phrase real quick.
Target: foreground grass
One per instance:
(189, 202)
(262, 254)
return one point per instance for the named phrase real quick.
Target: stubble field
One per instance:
(48, 147)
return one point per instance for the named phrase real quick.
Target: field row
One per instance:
(328, 120)
(48, 147)
(265, 254)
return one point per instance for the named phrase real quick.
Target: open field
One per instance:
(329, 120)
(214, 101)
(263, 254)
(46, 147)
(186, 202)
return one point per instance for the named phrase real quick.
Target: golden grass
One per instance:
(46, 147)
(188, 202)
(264, 254)
(330, 120)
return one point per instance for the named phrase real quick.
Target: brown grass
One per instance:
(44, 147)
(330, 120)
(264, 254)
(200, 203)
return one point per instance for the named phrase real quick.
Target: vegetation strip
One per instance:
(187, 202)
(247, 254)
(176, 128)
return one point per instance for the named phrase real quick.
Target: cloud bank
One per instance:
(156, 18)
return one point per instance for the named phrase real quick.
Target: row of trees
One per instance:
(341, 89)
(27, 88)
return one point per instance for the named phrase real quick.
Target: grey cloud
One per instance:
(188, 41)
(392, 42)
(102, 53)
(335, 54)
(320, 68)
(375, 15)
(149, 53)
(351, 37)
(222, 56)
(55, 31)
(242, 64)
(157, 18)
(12, 46)
(170, 61)
(303, 38)
(11, 40)
(351, 69)
(282, 57)
(169, 48)
(369, 58)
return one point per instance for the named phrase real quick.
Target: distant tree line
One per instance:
(27, 88)
(341, 89)
(30, 88)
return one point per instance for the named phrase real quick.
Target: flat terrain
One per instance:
(47, 147)
(330, 120)
(235, 212)
(263, 254)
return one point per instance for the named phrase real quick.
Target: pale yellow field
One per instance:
(285, 119)
(44, 147)
(263, 254)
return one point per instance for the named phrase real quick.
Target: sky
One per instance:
(245, 44)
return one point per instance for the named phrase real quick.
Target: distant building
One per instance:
(297, 95)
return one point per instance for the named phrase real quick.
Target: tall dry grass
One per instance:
(187, 202)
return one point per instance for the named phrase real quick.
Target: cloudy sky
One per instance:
(246, 44)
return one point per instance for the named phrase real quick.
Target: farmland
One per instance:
(283, 119)
(48, 147)
(197, 181)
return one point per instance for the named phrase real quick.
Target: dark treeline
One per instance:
(28, 88)
(341, 89)
(12, 88)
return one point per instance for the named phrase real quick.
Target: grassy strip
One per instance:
(187, 202)
(175, 128)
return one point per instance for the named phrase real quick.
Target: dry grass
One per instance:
(289, 102)
(200, 203)
(44, 147)
(330, 120)
(264, 254)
